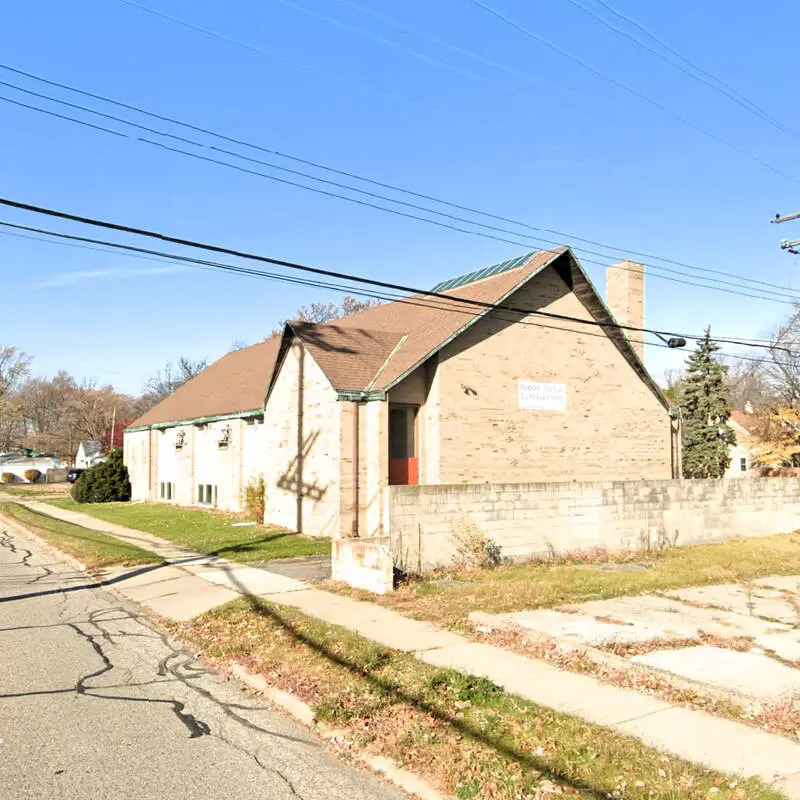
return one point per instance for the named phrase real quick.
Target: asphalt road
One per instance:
(95, 702)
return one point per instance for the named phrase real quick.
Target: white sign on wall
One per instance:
(543, 396)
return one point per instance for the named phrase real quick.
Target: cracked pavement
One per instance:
(95, 701)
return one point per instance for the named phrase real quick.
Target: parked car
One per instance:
(74, 474)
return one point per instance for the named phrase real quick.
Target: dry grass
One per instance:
(463, 734)
(36, 489)
(91, 548)
(448, 597)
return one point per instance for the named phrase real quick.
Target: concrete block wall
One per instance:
(538, 519)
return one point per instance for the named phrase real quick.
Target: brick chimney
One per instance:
(625, 298)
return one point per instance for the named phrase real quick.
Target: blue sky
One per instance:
(539, 139)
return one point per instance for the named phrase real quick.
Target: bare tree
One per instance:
(166, 381)
(14, 368)
(319, 313)
(750, 386)
(783, 367)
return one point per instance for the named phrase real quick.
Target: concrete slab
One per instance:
(190, 603)
(584, 629)
(784, 645)
(380, 624)
(786, 583)
(245, 580)
(750, 674)
(756, 601)
(679, 620)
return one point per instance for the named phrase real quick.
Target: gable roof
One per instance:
(233, 384)
(91, 447)
(373, 350)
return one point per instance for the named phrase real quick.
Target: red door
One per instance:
(403, 461)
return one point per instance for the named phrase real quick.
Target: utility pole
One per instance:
(113, 425)
(794, 245)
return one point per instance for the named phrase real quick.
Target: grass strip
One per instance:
(91, 548)
(463, 734)
(208, 531)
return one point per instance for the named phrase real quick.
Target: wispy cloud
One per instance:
(71, 278)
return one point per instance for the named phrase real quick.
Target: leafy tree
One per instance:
(705, 411)
(779, 432)
(107, 482)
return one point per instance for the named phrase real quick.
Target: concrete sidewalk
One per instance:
(194, 582)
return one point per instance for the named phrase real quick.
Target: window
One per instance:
(743, 464)
(258, 420)
(166, 490)
(206, 494)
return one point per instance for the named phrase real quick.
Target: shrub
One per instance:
(474, 548)
(104, 483)
(8, 477)
(255, 499)
(32, 475)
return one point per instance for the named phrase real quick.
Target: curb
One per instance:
(387, 767)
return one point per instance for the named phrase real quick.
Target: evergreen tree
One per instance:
(106, 482)
(707, 437)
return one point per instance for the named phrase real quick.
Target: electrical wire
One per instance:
(346, 276)
(724, 89)
(679, 55)
(166, 257)
(354, 176)
(774, 295)
(630, 89)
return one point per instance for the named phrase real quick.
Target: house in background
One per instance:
(90, 452)
(743, 453)
(18, 462)
(422, 391)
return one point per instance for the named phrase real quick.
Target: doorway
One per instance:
(403, 461)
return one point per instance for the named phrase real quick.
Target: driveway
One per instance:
(95, 702)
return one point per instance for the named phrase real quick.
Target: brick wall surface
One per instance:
(537, 519)
(614, 427)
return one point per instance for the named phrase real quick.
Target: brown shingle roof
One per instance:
(427, 323)
(350, 357)
(236, 382)
(373, 349)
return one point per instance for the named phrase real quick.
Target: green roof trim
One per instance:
(258, 412)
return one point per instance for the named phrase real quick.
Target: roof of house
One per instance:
(748, 423)
(372, 350)
(91, 447)
(235, 383)
(393, 339)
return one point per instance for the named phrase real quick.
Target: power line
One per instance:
(354, 176)
(342, 275)
(764, 293)
(724, 89)
(641, 95)
(434, 303)
(691, 64)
